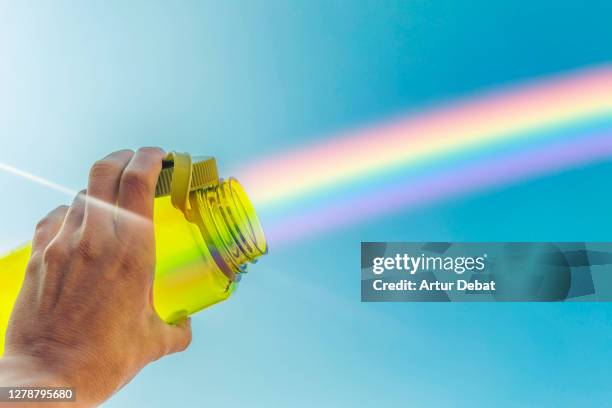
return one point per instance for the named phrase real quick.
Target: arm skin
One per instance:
(84, 317)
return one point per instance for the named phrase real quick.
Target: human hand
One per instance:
(84, 317)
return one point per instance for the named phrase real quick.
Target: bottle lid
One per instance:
(203, 174)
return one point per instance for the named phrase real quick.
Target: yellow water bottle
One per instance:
(206, 232)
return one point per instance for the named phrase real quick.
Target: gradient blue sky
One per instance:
(240, 80)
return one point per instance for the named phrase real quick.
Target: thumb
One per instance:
(178, 335)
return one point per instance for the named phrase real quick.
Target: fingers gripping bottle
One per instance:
(206, 232)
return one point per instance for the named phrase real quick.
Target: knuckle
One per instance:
(55, 254)
(79, 200)
(87, 248)
(62, 209)
(150, 150)
(136, 182)
(126, 152)
(34, 262)
(81, 195)
(56, 212)
(103, 168)
(42, 223)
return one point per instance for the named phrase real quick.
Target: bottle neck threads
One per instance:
(228, 223)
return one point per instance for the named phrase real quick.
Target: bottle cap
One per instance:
(203, 173)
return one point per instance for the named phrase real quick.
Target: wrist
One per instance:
(25, 371)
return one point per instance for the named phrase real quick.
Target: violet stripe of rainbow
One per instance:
(474, 176)
(407, 175)
(479, 122)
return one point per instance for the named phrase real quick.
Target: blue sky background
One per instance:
(240, 80)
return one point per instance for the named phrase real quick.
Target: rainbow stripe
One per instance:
(496, 137)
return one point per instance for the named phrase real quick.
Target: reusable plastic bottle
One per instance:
(206, 232)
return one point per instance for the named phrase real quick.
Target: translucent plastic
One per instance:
(199, 255)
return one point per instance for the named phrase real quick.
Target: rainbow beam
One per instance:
(496, 137)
